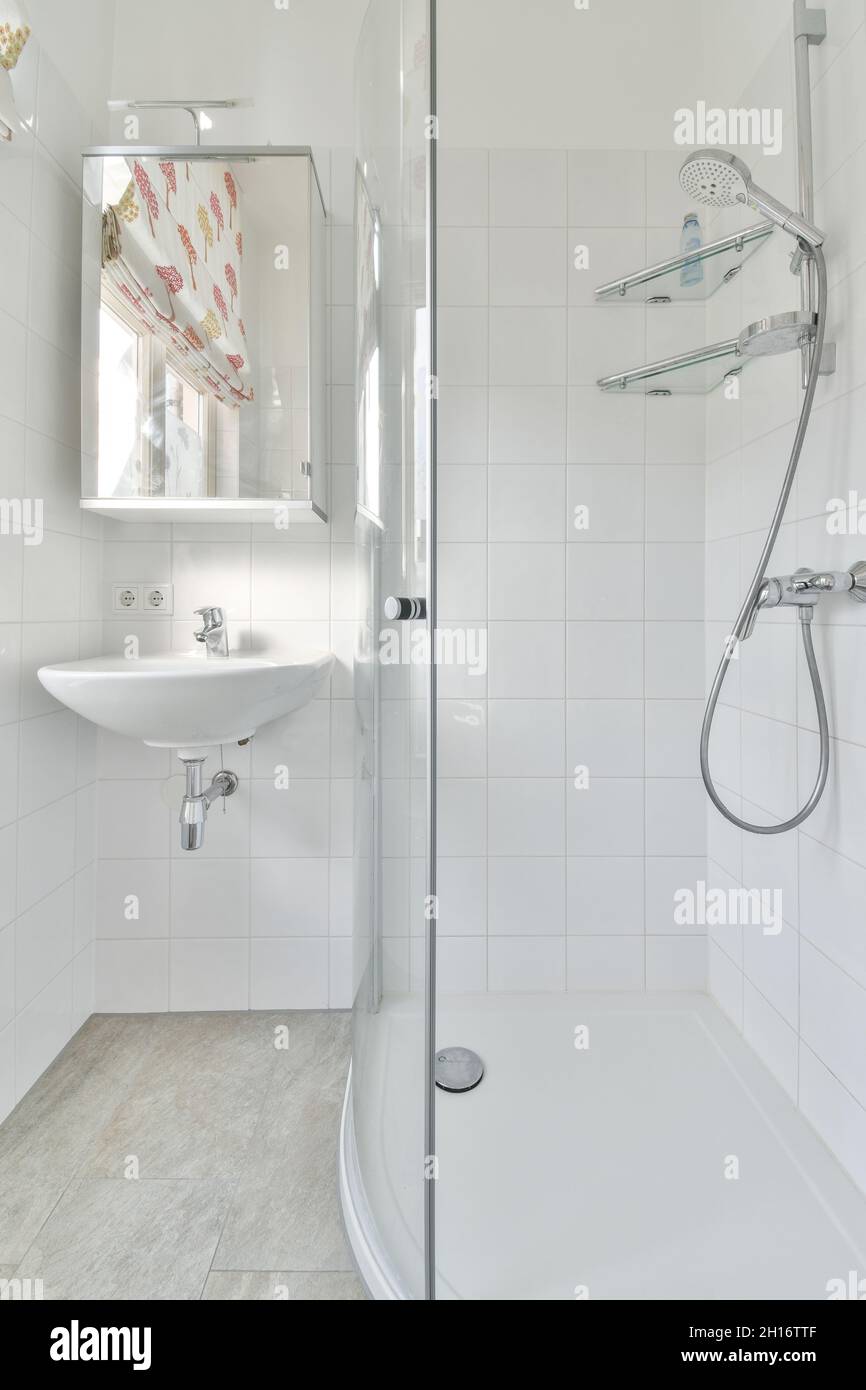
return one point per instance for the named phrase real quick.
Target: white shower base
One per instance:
(603, 1169)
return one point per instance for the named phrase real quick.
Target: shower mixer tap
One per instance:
(804, 588)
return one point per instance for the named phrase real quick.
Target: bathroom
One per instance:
(432, 563)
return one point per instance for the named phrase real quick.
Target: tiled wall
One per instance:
(260, 917)
(49, 594)
(799, 997)
(596, 635)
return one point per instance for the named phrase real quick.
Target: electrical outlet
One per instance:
(125, 598)
(157, 598)
(144, 596)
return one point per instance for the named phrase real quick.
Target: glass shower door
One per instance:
(387, 1131)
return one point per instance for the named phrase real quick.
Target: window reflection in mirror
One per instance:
(207, 326)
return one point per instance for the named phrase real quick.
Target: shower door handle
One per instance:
(404, 609)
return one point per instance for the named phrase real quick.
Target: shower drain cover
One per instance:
(458, 1069)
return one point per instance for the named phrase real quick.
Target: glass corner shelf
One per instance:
(691, 374)
(720, 262)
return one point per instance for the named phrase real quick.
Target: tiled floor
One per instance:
(182, 1156)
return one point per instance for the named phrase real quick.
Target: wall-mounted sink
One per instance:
(186, 702)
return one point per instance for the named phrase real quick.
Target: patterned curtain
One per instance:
(14, 32)
(173, 246)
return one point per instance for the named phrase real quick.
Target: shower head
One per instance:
(721, 180)
(780, 333)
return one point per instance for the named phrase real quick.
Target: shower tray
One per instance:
(661, 1161)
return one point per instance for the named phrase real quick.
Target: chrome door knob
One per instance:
(404, 609)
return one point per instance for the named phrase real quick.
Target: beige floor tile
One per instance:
(43, 1141)
(193, 1106)
(285, 1212)
(248, 1285)
(121, 1239)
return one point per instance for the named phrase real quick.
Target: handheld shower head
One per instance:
(719, 179)
(716, 178)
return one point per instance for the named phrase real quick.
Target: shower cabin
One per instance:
(607, 1032)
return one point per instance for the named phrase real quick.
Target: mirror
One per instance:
(204, 331)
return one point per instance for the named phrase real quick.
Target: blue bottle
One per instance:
(692, 272)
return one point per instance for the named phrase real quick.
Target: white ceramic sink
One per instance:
(186, 702)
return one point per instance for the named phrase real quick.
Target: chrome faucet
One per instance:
(214, 632)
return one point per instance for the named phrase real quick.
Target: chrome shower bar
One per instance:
(810, 27)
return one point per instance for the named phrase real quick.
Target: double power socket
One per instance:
(148, 597)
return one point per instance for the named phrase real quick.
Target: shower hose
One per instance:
(751, 602)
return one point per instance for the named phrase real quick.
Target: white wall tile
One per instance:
(528, 266)
(606, 963)
(132, 976)
(527, 425)
(462, 194)
(293, 822)
(463, 347)
(673, 733)
(774, 1040)
(462, 892)
(527, 347)
(832, 893)
(834, 1112)
(46, 851)
(833, 1019)
(462, 731)
(289, 974)
(605, 660)
(526, 738)
(606, 736)
(605, 896)
(210, 899)
(676, 963)
(526, 897)
(42, 1029)
(605, 503)
(520, 965)
(464, 965)
(527, 660)
(726, 984)
(132, 899)
(605, 582)
(44, 943)
(209, 975)
(524, 504)
(528, 188)
(462, 424)
(526, 816)
(607, 818)
(666, 879)
(526, 581)
(675, 816)
(606, 188)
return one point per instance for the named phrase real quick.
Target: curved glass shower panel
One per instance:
(383, 1148)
